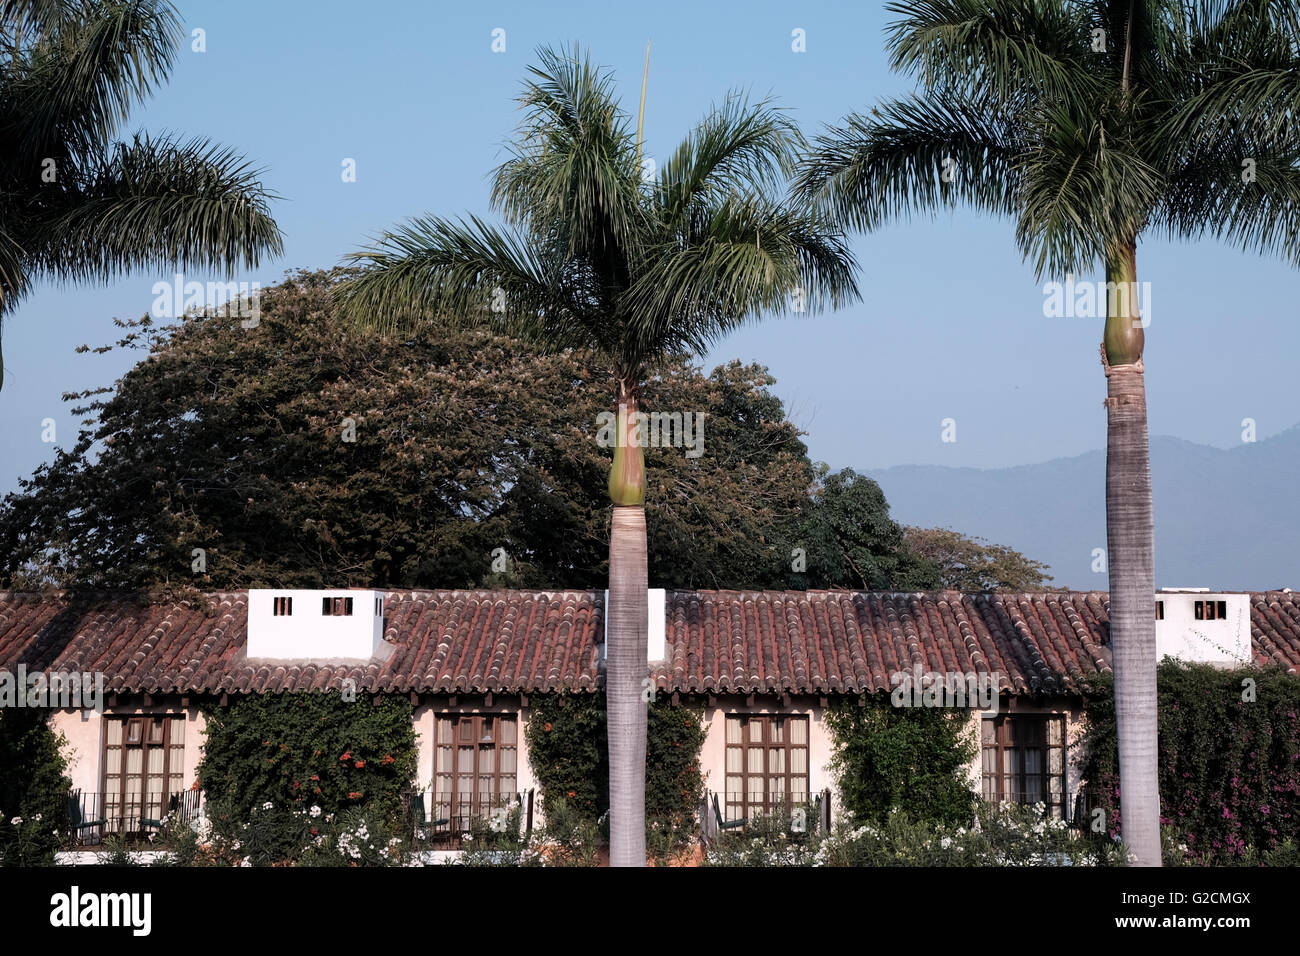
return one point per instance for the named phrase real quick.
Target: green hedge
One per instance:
(913, 758)
(300, 750)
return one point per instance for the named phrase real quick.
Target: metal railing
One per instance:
(93, 816)
(443, 820)
(731, 812)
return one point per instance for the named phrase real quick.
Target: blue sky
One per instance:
(952, 322)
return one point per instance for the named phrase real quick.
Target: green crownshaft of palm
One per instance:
(1091, 125)
(599, 255)
(74, 204)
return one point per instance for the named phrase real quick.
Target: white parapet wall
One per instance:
(345, 623)
(1203, 626)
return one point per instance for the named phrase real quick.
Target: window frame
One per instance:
(1009, 736)
(124, 813)
(739, 781)
(467, 731)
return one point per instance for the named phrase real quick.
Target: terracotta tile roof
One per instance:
(836, 642)
(819, 642)
(1275, 628)
(445, 641)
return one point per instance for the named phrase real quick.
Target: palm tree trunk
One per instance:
(626, 632)
(626, 636)
(1130, 543)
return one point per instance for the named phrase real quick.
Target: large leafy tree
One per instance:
(964, 563)
(74, 204)
(1092, 124)
(631, 269)
(235, 441)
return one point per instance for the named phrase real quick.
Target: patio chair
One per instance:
(77, 821)
(725, 825)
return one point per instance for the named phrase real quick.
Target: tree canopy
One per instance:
(303, 452)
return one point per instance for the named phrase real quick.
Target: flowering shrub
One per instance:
(568, 838)
(294, 751)
(285, 836)
(1006, 835)
(1229, 761)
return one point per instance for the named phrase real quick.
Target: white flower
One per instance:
(246, 861)
(37, 818)
(268, 805)
(16, 821)
(945, 842)
(236, 845)
(315, 811)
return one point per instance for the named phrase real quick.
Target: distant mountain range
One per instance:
(1227, 519)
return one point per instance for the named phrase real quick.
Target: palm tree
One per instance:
(74, 205)
(1092, 124)
(629, 268)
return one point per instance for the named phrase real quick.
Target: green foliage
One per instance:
(273, 835)
(673, 782)
(851, 542)
(1229, 765)
(569, 752)
(888, 757)
(569, 838)
(465, 442)
(74, 205)
(993, 835)
(295, 751)
(973, 564)
(33, 788)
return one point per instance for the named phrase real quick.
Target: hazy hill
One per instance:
(1225, 518)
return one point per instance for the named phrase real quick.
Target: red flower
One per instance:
(354, 795)
(572, 793)
(548, 727)
(347, 755)
(314, 831)
(314, 777)
(296, 785)
(360, 764)
(388, 758)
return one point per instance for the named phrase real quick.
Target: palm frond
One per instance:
(748, 258)
(996, 50)
(1083, 191)
(470, 272)
(573, 172)
(155, 202)
(912, 155)
(1254, 206)
(740, 146)
(75, 86)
